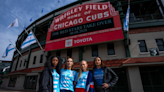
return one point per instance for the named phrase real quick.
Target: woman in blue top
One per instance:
(104, 77)
(49, 78)
(84, 79)
(67, 77)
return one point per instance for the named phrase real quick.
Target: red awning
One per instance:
(107, 63)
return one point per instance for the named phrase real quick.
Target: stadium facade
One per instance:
(86, 29)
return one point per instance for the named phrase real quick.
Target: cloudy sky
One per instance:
(23, 10)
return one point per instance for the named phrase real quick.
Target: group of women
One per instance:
(55, 79)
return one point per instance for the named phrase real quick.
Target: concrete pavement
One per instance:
(11, 90)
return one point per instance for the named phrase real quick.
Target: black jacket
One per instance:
(109, 77)
(46, 81)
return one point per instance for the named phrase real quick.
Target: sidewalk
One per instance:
(11, 90)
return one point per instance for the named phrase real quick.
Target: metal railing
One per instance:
(145, 17)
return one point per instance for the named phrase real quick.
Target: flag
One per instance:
(42, 10)
(24, 26)
(8, 49)
(126, 21)
(15, 23)
(58, 3)
(31, 19)
(6, 69)
(29, 40)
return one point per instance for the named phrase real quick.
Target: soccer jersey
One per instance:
(66, 79)
(81, 82)
(55, 76)
(98, 75)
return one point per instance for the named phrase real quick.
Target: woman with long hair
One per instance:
(84, 79)
(104, 77)
(67, 77)
(49, 78)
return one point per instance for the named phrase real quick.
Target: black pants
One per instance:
(65, 91)
(101, 89)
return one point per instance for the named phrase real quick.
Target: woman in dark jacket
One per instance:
(49, 78)
(104, 77)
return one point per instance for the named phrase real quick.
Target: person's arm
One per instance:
(75, 75)
(75, 80)
(114, 78)
(94, 86)
(91, 82)
(45, 81)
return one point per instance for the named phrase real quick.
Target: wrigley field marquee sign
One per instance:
(83, 25)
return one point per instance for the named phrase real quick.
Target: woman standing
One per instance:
(84, 79)
(67, 77)
(49, 78)
(104, 77)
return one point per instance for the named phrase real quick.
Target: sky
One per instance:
(24, 10)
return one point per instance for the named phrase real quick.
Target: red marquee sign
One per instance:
(84, 24)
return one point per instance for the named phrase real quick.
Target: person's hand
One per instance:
(74, 83)
(105, 85)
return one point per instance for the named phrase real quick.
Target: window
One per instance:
(69, 53)
(34, 60)
(95, 51)
(20, 63)
(24, 62)
(160, 44)
(41, 58)
(152, 78)
(30, 82)
(111, 49)
(12, 81)
(142, 46)
(58, 53)
(143, 11)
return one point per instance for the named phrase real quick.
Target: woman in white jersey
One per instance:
(84, 79)
(67, 77)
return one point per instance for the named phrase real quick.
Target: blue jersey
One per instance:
(98, 75)
(55, 76)
(66, 79)
(81, 82)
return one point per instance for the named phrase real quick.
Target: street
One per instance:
(11, 90)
